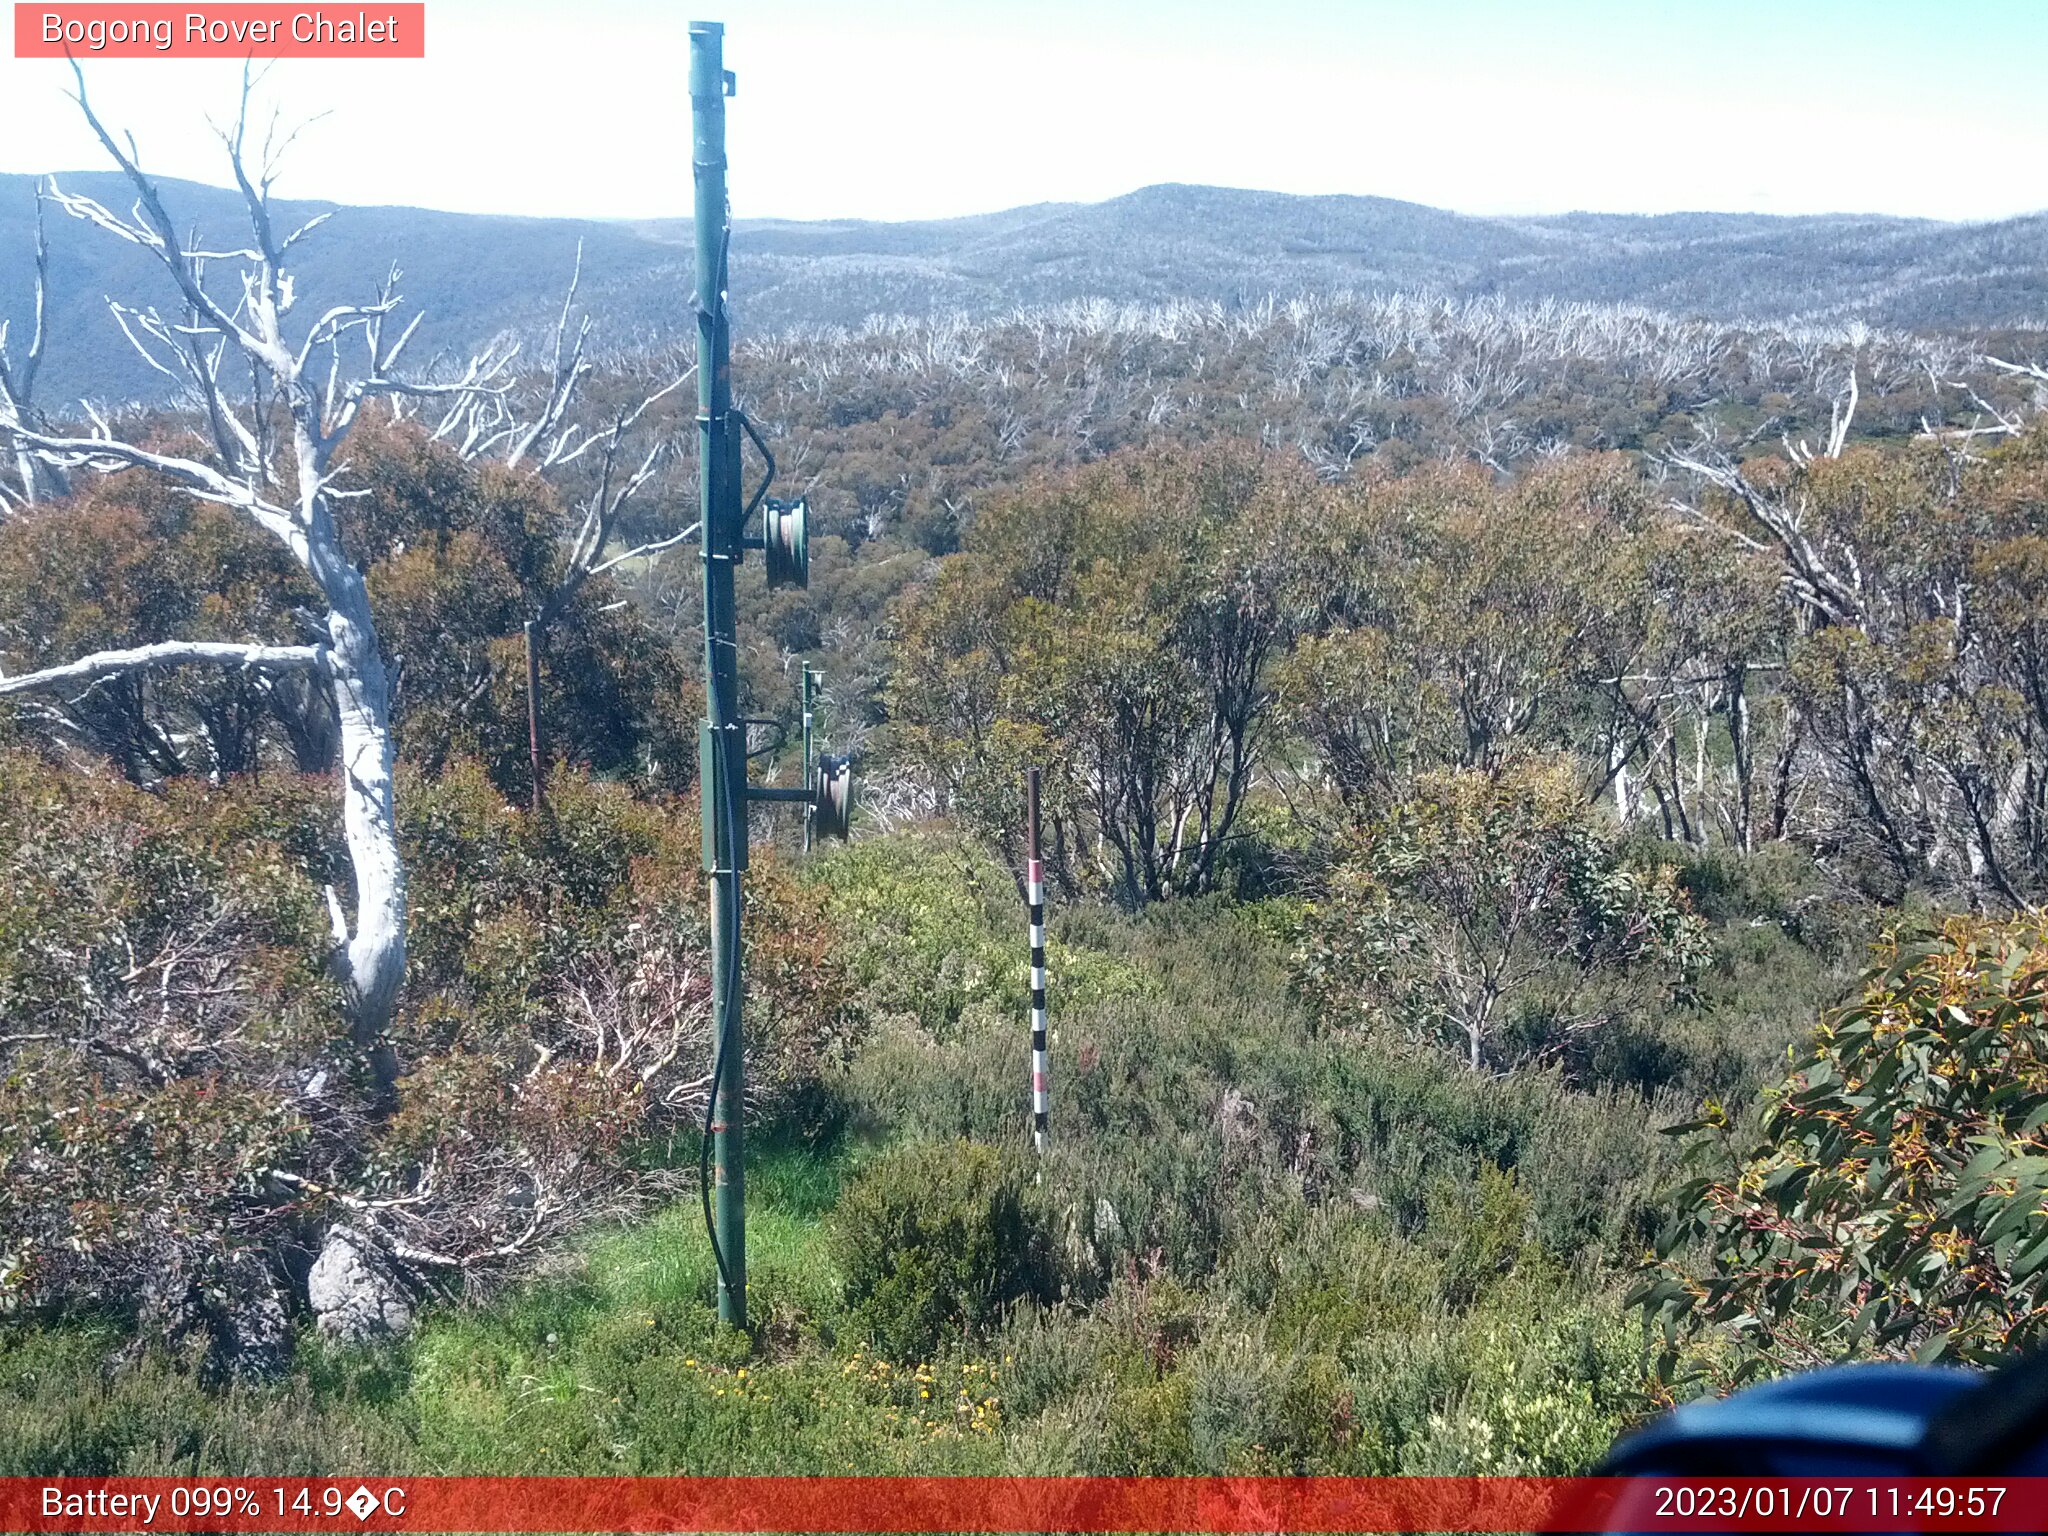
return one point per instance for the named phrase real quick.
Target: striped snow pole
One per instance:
(1034, 896)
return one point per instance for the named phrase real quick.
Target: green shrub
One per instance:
(936, 1241)
(1589, 1164)
(1490, 915)
(1481, 1228)
(84, 1401)
(1324, 1278)
(1788, 945)
(1893, 1196)
(919, 920)
(1256, 1409)
(1347, 1362)
(931, 927)
(1536, 1382)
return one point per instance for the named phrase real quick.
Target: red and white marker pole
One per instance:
(1034, 896)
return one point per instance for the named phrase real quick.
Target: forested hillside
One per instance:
(475, 276)
(1480, 735)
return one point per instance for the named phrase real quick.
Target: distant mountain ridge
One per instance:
(476, 276)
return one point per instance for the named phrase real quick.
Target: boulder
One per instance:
(358, 1294)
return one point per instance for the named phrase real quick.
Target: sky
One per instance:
(896, 109)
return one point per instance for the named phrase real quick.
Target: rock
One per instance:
(1088, 1240)
(357, 1293)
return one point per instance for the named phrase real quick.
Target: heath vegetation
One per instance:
(1478, 739)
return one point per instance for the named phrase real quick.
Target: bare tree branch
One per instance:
(2024, 370)
(107, 453)
(168, 653)
(1806, 570)
(18, 380)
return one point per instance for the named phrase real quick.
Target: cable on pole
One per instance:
(718, 1068)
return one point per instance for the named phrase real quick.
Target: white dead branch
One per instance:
(274, 460)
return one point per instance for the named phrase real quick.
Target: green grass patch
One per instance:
(610, 1362)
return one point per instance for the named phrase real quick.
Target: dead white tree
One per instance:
(18, 386)
(1841, 416)
(272, 455)
(1775, 524)
(546, 435)
(1990, 420)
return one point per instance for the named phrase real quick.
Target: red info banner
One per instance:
(237, 31)
(1219, 1505)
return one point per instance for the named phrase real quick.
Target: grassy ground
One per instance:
(610, 1363)
(617, 1366)
(613, 1364)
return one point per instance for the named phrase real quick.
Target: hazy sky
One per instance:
(917, 108)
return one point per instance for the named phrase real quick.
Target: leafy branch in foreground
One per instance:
(1894, 1197)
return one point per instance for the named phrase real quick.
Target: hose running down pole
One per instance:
(810, 701)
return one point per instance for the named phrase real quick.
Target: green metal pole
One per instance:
(721, 741)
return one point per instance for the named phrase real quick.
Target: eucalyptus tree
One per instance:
(1120, 628)
(541, 428)
(275, 403)
(1913, 690)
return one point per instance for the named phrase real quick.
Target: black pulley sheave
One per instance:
(832, 797)
(786, 542)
